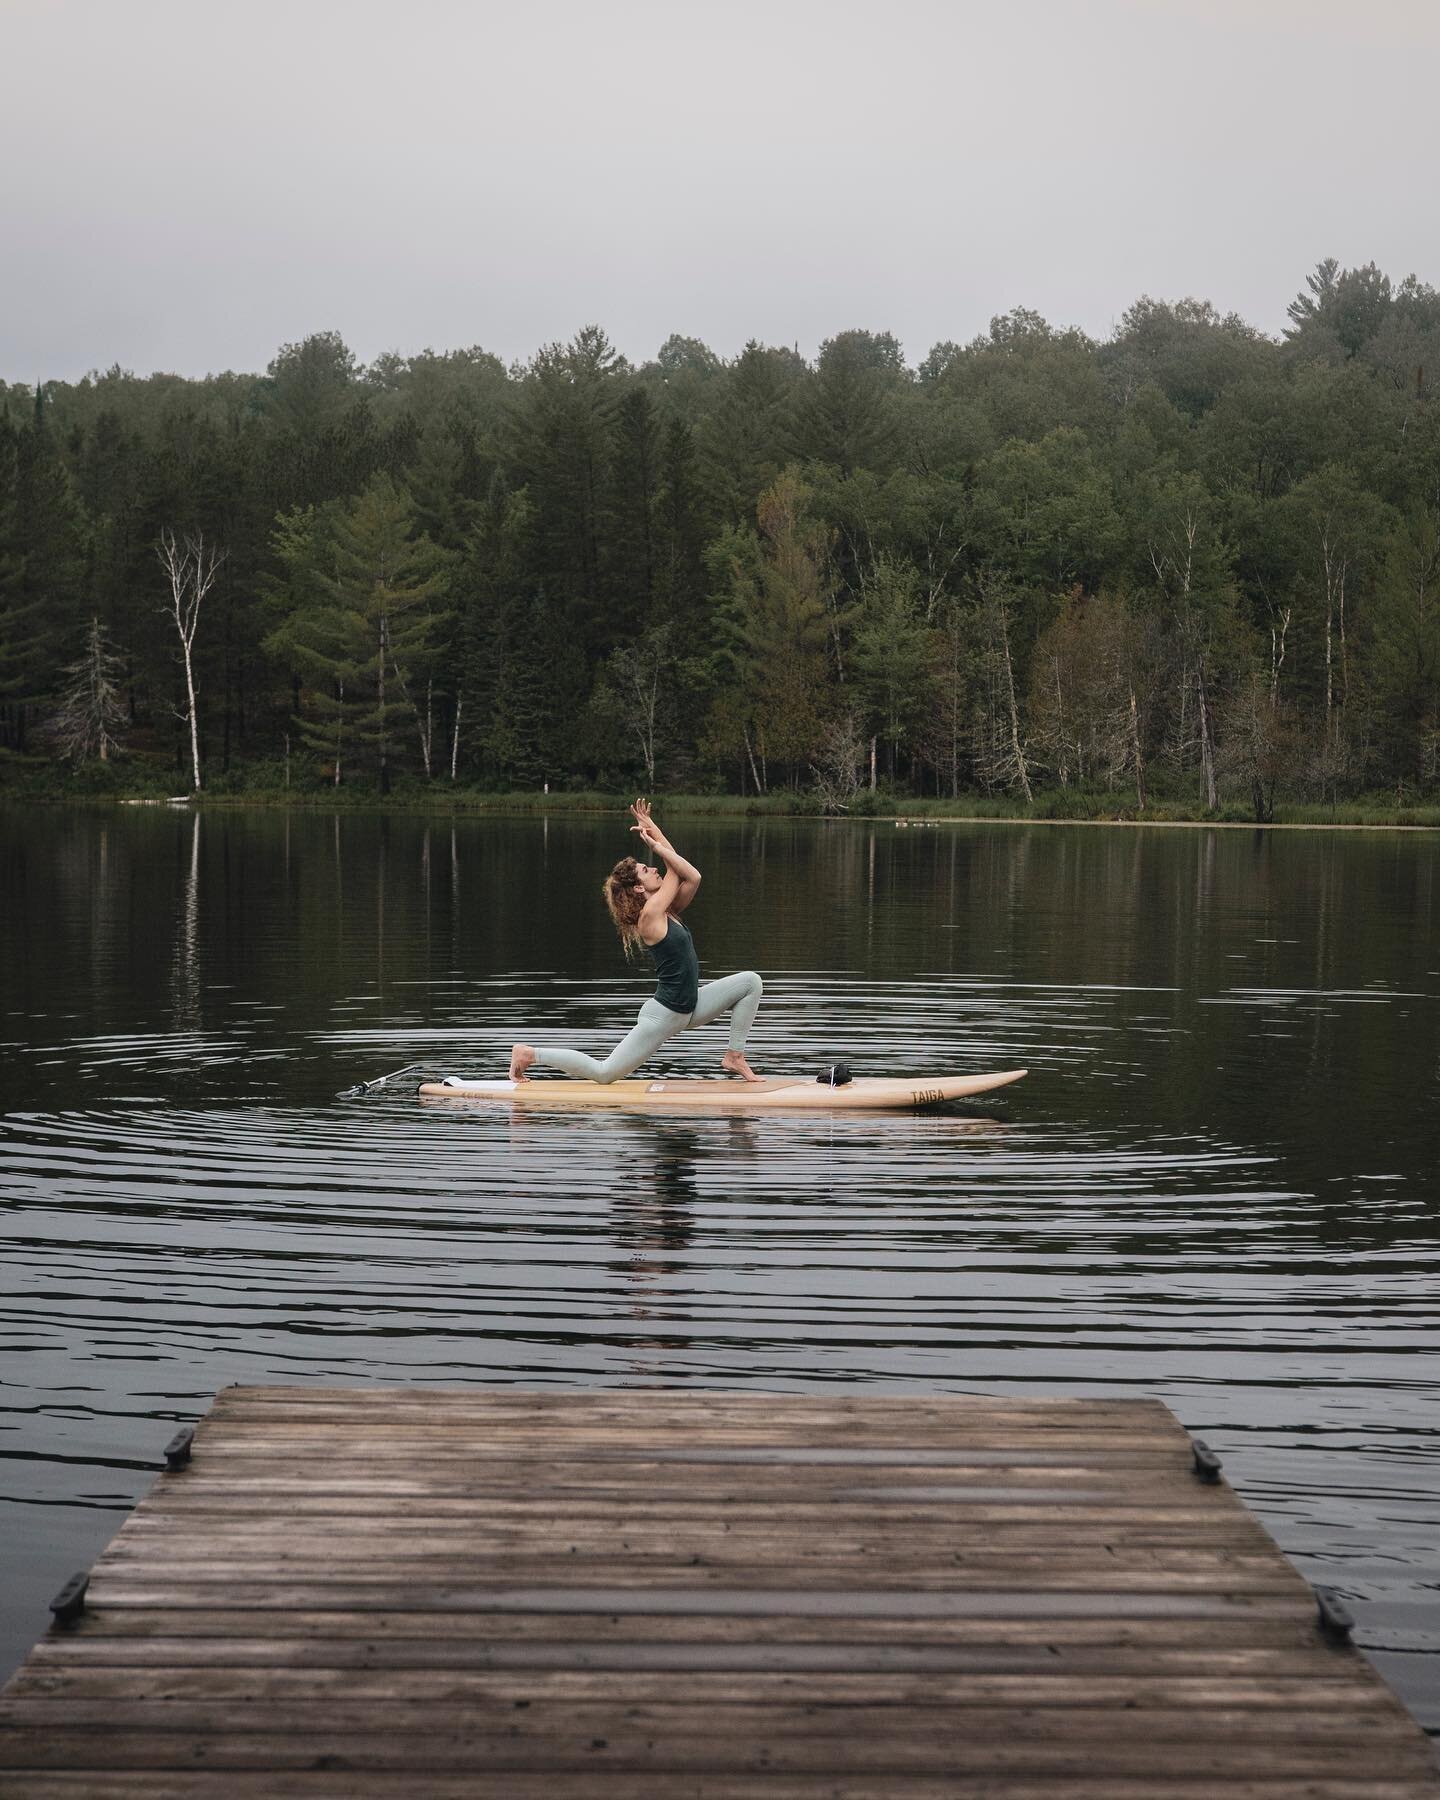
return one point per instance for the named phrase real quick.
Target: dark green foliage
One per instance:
(1192, 566)
(849, 412)
(631, 524)
(42, 573)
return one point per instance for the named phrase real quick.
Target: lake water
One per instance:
(1218, 1185)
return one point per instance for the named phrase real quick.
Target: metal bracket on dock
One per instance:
(69, 1603)
(1207, 1464)
(177, 1451)
(1336, 1618)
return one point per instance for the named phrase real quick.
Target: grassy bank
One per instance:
(43, 783)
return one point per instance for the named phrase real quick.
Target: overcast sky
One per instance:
(187, 184)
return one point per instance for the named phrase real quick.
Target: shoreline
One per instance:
(702, 806)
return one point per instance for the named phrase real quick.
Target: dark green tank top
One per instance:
(677, 969)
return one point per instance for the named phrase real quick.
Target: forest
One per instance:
(1192, 563)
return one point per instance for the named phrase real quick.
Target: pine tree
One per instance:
(316, 637)
(488, 584)
(42, 572)
(395, 584)
(746, 437)
(630, 524)
(779, 625)
(848, 412)
(561, 445)
(680, 531)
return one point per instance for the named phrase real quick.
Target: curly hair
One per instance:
(625, 902)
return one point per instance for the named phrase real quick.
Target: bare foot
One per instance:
(521, 1057)
(734, 1063)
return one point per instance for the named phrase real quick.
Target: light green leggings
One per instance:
(739, 995)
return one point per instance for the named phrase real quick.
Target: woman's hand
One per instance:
(647, 827)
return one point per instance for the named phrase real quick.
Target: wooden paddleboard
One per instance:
(864, 1093)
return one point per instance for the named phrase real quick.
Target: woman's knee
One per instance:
(753, 984)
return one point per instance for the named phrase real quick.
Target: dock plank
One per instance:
(433, 1592)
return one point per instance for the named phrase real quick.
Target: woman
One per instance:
(646, 908)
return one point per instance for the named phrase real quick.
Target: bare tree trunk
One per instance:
(872, 765)
(384, 748)
(955, 736)
(1329, 670)
(1060, 739)
(1015, 749)
(754, 772)
(1017, 752)
(1277, 653)
(1344, 654)
(191, 568)
(455, 737)
(647, 750)
(1207, 740)
(1334, 565)
(1137, 752)
(1183, 718)
(424, 721)
(647, 695)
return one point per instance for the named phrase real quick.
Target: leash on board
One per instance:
(412, 1074)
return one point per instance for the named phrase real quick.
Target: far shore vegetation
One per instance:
(309, 790)
(1191, 572)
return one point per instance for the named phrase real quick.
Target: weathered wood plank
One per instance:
(357, 1518)
(770, 1447)
(1141, 1622)
(947, 1752)
(504, 1490)
(967, 1506)
(648, 1408)
(676, 1539)
(650, 1403)
(564, 1690)
(744, 1564)
(596, 1784)
(187, 1655)
(741, 1589)
(941, 1598)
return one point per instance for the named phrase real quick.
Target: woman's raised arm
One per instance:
(687, 875)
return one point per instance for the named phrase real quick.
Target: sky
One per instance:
(188, 184)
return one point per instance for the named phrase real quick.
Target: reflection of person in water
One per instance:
(646, 908)
(653, 1215)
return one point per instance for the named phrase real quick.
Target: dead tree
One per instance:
(191, 567)
(92, 708)
(1005, 754)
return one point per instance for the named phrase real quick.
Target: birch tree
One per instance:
(1342, 533)
(1191, 569)
(635, 689)
(192, 567)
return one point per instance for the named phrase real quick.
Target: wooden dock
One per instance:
(643, 1595)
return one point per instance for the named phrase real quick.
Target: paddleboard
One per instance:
(864, 1093)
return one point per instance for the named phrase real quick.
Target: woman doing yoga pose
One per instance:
(646, 908)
